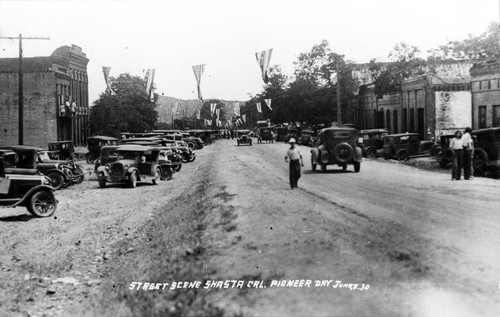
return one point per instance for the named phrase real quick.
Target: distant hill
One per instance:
(186, 108)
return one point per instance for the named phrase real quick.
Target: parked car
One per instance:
(373, 142)
(337, 146)
(95, 143)
(307, 138)
(406, 145)
(486, 155)
(174, 156)
(193, 142)
(26, 188)
(292, 133)
(134, 164)
(244, 139)
(62, 150)
(108, 155)
(265, 134)
(62, 173)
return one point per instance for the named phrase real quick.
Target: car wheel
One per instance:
(313, 166)
(177, 168)
(357, 167)
(402, 156)
(168, 173)
(191, 159)
(87, 159)
(132, 182)
(56, 179)
(80, 176)
(42, 204)
(343, 152)
(479, 159)
(156, 178)
(323, 168)
(371, 153)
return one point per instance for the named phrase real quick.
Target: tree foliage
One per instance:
(404, 63)
(484, 46)
(130, 110)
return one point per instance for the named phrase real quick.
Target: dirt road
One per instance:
(414, 242)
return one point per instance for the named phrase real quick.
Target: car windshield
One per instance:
(129, 155)
(336, 134)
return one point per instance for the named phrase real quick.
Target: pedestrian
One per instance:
(468, 151)
(456, 145)
(294, 157)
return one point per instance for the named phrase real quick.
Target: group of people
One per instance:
(463, 150)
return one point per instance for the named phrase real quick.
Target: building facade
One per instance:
(56, 102)
(485, 85)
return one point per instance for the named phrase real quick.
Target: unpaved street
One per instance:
(419, 243)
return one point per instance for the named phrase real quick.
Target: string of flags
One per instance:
(149, 76)
(263, 58)
(198, 72)
(106, 70)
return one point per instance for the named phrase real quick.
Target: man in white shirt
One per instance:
(456, 144)
(294, 156)
(468, 149)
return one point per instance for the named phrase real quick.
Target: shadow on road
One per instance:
(335, 171)
(16, 218)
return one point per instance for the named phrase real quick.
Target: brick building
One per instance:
(438, 102)
(56, 103)
(485, 84)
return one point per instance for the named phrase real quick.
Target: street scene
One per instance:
(298, 175)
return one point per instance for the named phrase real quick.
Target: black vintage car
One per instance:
(486, 155)
(265, 134)
(95, 143)
(62, 173)
(134, 164)
(406, 145)
(26, 188)
(337, 146)
(62, 150)
(373, 142)
(444, 154)
(244, 139)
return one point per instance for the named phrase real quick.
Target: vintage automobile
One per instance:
(486, 155)
(194, 143)
(244, 139)
(307, 138)
(62, 150)
(265, 134)
(281, 133)
(62, 173)
(337, 145)
(95, 143)
(292, 133)
(134, 164)
(174, 156)
(405, 145)
(165, 163)
(26, 188)
(108, 155)
(373, 142)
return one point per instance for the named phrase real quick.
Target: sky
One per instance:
(171, 36)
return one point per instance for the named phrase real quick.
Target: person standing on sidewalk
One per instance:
(468, 151)
(294, 157)
(456, 144)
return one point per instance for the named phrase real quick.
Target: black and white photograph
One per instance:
(249, 158)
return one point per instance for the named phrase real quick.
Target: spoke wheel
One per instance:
(42, 204)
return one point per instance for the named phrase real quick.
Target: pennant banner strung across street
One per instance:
(236, 108)
(259, 107)
(268, 103)
(198, 114)
(106, 71)
(198, 72)
(217, 112)
(149, 78)
(263, 59)
(244, 118)
(174, 108)
(212, 108)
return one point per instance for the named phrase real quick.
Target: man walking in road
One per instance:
(294, 156)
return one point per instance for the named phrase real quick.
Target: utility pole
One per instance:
(20, 75)
(339, 105)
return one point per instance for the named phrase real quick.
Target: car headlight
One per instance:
(46, 181)
(125, 167)
(107, 167)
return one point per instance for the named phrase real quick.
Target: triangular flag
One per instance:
(149, 78)
(244, 117)
(106, 71)
(268, 103)
(217, 112)
(236, 108)
(198, 72)
(174, 108)
(198, 114)
(212, 108)
(263, 59)
(259, 107)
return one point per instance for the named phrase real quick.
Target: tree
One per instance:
(484, 46)
(130, 110)
(404, 63)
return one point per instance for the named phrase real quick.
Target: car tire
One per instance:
(191, 145)
(56, 179)
(479, 160)
(42, 204)
(177, 169)
(132, 182)
(449, 154)
(168, 173)
(339, 152)
(156, 178)
(371, 153)
(402, 156)
(80, 175)
(192, 159)
(313, 166)
(74, 157)
(87, 159)
(357, 167)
